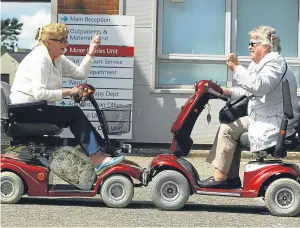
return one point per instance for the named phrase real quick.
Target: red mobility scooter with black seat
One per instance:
(174, 179)
(25, 165)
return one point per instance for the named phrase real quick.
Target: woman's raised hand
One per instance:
(95, 42)
(232, 61)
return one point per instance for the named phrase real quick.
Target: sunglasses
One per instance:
(253, 44)
(62, 40)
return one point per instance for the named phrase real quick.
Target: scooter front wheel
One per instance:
(117, 191)
(170, 190)
(282, 197)
(12, 188)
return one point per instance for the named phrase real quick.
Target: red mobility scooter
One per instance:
(26, 170)
(174, 179)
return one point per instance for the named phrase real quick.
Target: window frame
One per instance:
(231, 7)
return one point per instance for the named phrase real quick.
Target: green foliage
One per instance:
(3, 50)
(10, 30)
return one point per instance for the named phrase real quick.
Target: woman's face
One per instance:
(257, 50)
(57, 47)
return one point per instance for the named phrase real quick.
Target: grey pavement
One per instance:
(200, 211)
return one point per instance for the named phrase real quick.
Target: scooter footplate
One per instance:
(66, 187)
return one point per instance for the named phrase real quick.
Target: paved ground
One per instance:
(200, 211)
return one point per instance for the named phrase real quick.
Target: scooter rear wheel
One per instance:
(282, 197)
(12, 188)
(117, 191)
(170, 190)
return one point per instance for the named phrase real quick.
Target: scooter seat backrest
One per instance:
(13, 129)
(5, 101)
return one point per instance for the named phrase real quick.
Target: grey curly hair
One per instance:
(267, 36)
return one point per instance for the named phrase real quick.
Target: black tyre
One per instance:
(117, 191)
(282, 197)
(170, 190)
(12, 188)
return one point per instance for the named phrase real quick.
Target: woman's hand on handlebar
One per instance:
(71, 92)
(227, 92)
(76, 92)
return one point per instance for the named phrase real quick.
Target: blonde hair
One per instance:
(51, 31)
(267, 36)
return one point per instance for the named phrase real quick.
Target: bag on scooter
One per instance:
(74, 167)
(235, 110)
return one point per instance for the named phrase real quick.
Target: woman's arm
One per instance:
(71, 70)
(261, 83)
(40, 73)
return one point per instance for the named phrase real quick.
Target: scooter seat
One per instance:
(32, 129)
(290, 143)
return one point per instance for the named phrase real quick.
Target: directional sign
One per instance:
(96, 72)
(106, 61)
(102, 20)
(112, 71)
(67, 133)
(101, 103)
(115, 136)
(125, 116)
(112, 83)
(113, 94)
(108, 51)
(110, 35)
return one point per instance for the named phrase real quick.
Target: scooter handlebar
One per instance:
(76, 97)
(217, 94)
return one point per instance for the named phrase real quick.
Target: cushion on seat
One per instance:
(22, 129)
(290, 143)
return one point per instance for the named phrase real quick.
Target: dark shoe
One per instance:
(234, 182)
(212, 183)
(225, 184)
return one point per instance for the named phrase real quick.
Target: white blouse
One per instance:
(265, 109)
(39, 78)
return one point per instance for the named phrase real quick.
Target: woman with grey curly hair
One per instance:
(262, 82)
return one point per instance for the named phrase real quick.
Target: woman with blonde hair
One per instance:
(263, 81)
(39, 77)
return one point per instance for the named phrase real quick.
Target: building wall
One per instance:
(153, 113)
(9, 66)
(88, 6)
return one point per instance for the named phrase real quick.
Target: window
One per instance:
(283, 15)
(192, 42)
(194, 37)
(185, 74)
(186, 29)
